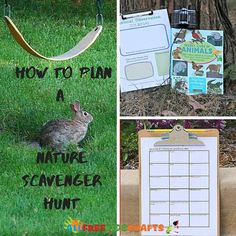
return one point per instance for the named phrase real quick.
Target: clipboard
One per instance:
(179, 181)
(144, 50)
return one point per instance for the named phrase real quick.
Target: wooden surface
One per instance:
(130, 200)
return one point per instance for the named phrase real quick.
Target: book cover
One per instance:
(197, 61)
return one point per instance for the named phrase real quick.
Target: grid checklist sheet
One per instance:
(178, 187)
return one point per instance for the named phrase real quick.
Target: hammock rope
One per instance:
(7, 9)
(99, 16)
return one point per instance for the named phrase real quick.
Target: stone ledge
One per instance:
(130, 200)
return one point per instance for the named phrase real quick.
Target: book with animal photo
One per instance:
(197, 61)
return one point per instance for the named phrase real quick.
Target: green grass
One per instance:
(53, 27)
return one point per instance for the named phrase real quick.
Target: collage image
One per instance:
(118, 117)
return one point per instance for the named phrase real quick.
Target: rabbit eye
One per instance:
(85, 113)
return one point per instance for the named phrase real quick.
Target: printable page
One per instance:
(179, 187)
(144, 50)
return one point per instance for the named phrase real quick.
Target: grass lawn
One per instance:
(53, 27)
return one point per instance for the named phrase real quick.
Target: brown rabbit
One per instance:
(58, 134)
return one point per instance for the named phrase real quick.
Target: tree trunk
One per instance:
(212, 14)
(134, 5)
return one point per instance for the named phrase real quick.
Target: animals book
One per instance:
(144, 50)
(197, 61)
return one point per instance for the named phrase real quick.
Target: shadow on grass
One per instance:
(23, 126)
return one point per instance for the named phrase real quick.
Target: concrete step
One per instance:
(130, 200)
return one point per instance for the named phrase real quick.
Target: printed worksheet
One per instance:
(144, 50)
(179, 187)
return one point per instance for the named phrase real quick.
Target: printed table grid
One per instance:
(186, 206)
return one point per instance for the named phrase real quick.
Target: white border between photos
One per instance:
(118, 114)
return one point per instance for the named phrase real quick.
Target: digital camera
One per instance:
(184, 18)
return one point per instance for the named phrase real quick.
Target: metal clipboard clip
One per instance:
(133, 14)
(179, 137)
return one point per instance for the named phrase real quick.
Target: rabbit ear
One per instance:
(75, 106)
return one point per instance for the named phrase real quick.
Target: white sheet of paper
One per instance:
(144, 51)
(180, 183)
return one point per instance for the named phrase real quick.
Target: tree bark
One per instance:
(136, 5)
(212, 14)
